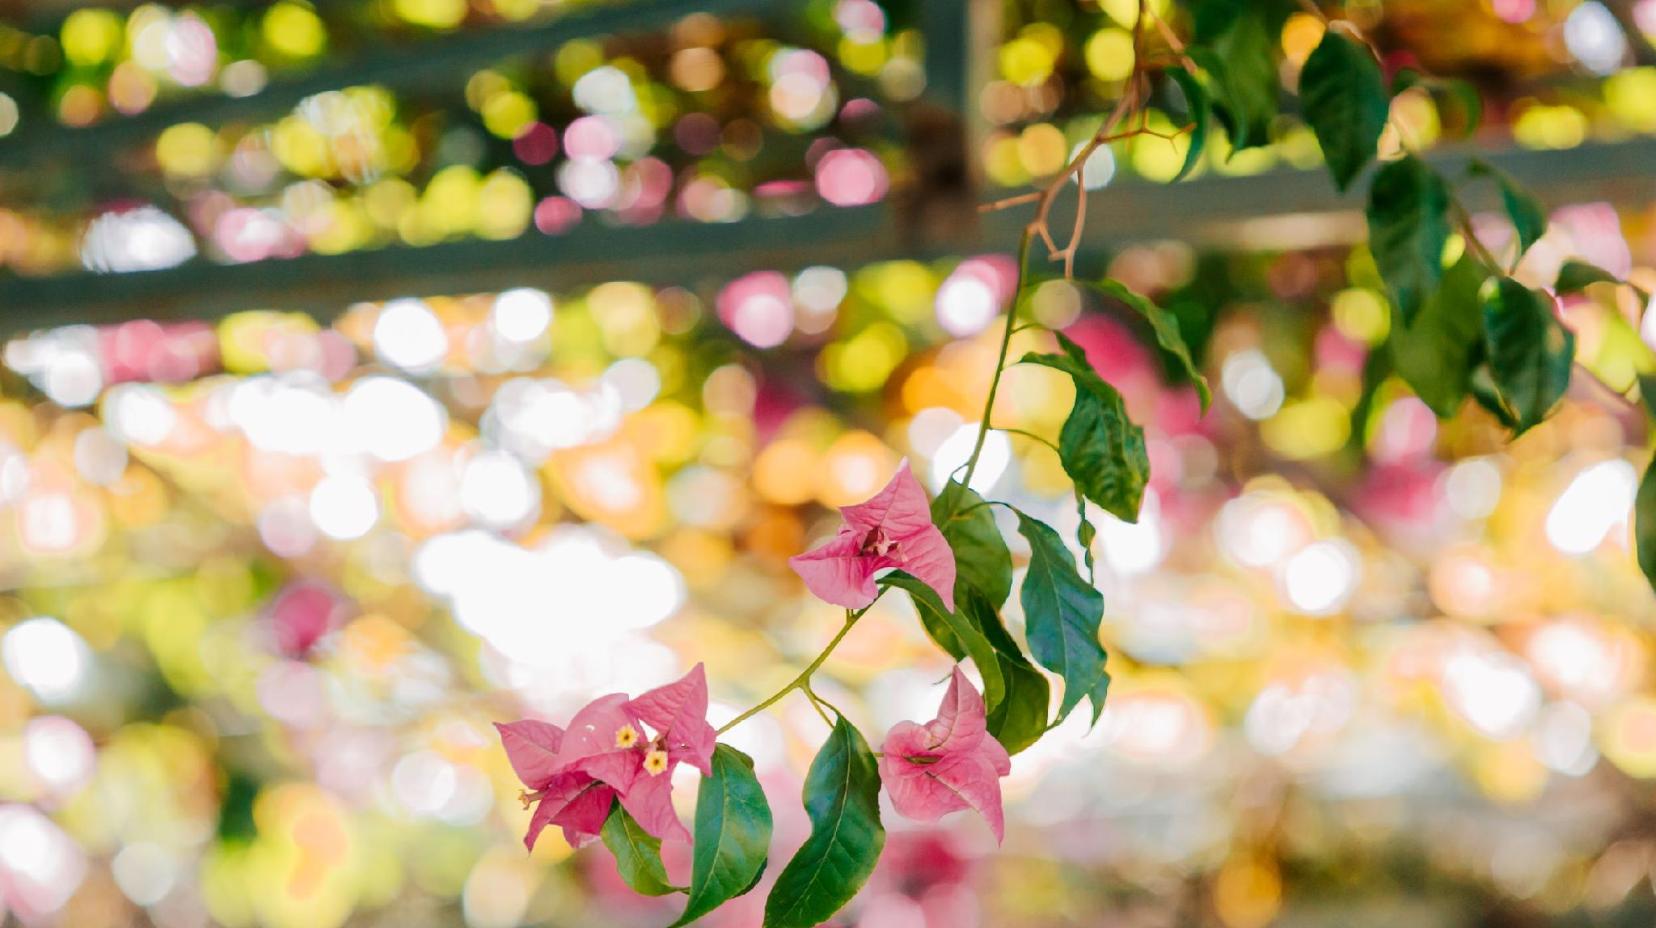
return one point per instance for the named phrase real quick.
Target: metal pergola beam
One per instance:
(1282, 208)
(428, 65)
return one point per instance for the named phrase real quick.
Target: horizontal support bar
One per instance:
(430, 64)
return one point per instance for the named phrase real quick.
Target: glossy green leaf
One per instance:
(1101, 449)
(1408, 221)
(842, 798)
(1436, 352)
(1343, 98)
(1525, 212)
(982, 560)
(1576, 276)
(1460, 106)
(1019, 717)
(1200, 111)
(1062, 613)
(953, 632)
(1241, 62)
(1644, 523)
(1529, 350)
(637, 853)
(732, 837)
(1166, 327)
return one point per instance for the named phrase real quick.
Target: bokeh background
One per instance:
(378, 369)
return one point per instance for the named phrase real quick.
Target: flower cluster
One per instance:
(621, 750)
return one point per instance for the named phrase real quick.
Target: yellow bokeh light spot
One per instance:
(1247, 893)
(1561, 126)
(1125, 12)
(1002, 162)
(505, 204)
(1026, 61)
(1631, 95)
(1109, 54)
(437, 14)
(784, 472)
(507, 114)
(294, 30)
(187, 150)
(1629, 737)
(1362, 315)
(90, 37)
(1300, 35)
(1042, 149)
(1307, 428)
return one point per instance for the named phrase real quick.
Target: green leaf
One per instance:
(1166, 327)
(1200, 110)
(1085, 534)
(1527, 216)
(1408, 221)
(1019, 717)
(1647, 392)
(1482, 388)
(1436, 352)
(1576, 276)
(1461, 107)
(733, 833)
(1101, 449)
(1644, 523)
(954, 632)
(1213, 17)
(1529, 350)
(842, 798)
(982, 560)
(1343, 98)
(637, 853)
(1241, 61)
(1062, 613)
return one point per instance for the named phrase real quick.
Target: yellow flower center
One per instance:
(655, 763)
(626, 736)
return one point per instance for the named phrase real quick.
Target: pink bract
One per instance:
(575, 775)
(948, 764)
(892, 530)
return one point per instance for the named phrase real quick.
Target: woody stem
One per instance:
(803, 680)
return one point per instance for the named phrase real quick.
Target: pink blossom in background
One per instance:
(892, 530)
(851, 177)
(948, 764)
(608, 754)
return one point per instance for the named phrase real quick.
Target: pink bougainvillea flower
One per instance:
(892, 530)
(614, 748)
(948, 764)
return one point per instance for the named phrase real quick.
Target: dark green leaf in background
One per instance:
(1343, 98)
(1529, 350)
(1436, 352)
(1576, 276)
(1241, 63)
(1200, 112)
(1062, 613)
(1408, 221)
(733, 833)
(1644, 523)
(842, 798)
(1528, 218)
